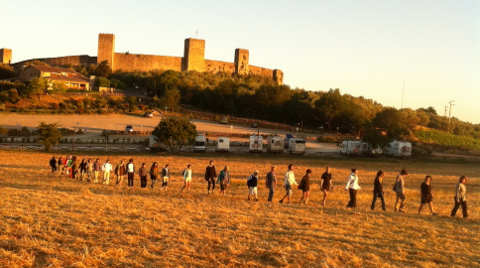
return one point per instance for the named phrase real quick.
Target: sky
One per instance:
(409, 52)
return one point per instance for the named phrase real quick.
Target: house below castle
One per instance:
(67, 77)
(193, 60)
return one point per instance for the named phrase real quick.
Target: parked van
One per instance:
(275, 144)
(154, 145)
(296, 146)
(400, 149)
(255, 144)
(223, 145)
(200, 144)
(351, 147)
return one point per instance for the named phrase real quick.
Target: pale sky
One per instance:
(365, 48)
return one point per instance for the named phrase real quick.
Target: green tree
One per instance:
(6, 71)
(377, 138)
(103, 69)
(102, 82)
(13, 96)
(49, 135)
(37, 85)
(175, 132)
(170, 99)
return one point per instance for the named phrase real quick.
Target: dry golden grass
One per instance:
(52, 221)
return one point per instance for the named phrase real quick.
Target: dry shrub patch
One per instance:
(50, 220)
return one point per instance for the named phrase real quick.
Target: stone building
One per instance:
(69, 78)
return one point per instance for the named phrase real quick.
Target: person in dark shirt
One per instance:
(305, 186)
(426, 195)
(271, 183)
(252, 183)
(210, 176)
(143, 173)
(326, 184)
(53, 164)
(378, 190)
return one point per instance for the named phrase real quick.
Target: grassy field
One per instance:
(52, 221)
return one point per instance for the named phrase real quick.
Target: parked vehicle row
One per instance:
(395, 148)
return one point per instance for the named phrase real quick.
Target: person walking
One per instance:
(130, 172)
(120, 171)
(89, 169)
(223, 179)
(53, 164)
(326, 184)
(305, 186)
(60, 165)
(210, 176)
(187, 178)
(426, 196)
(83, 169)
(154, 174)
(165, 177)
(352, 187)
(106, 168)
(252, 183)
(271, 183)
(378, 190)
(289, 181)
(74, 168)
(97, 167)
(143, 173)
(399, 189)
(460, 197)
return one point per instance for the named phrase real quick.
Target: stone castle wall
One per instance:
(193, 59)
(145, 63)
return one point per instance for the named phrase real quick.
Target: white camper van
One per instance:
(155, 145)
(256, 143)
(350, 147)
(400, 149)
(223, 145)
(200, 144)
(275, 144)
(296, 146)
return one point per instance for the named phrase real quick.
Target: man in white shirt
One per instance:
(288, 182)
(130, 172)
(352, 188)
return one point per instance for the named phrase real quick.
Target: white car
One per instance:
(128, 129)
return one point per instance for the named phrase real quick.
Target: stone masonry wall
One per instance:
(145, 63)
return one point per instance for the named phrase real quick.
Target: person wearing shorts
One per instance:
(426, 196)
(223, 179)
(289, 180)
(187, 178)
(399, 189)
(252, 183)
(305, 186)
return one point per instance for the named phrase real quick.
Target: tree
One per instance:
(175, 132)
(170, 98)
(49, 135)
(13, 95)
(37, 86)
(377, 138)
(103, 69)
(6, 71)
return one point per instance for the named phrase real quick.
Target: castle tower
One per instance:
(106, 49)
(278, 76)
(194, 55)
(5, 56)
(241, 61)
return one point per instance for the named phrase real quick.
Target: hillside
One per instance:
(50, 220)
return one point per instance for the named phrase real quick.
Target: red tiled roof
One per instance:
(48, 69)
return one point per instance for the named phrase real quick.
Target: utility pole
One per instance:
(450, 113)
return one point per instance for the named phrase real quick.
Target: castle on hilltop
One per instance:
(193, 60)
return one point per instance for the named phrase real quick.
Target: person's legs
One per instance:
(382, 198)
(455, 208)
(325, 194)
(270, 194)
(306, 194)
(403, 203)
(372, 207)
(209, 181)
(464, 208)
(351, 201)
(420, 208)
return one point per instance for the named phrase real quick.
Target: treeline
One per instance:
(260, 98)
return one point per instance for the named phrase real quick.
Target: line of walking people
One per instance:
(88, 169)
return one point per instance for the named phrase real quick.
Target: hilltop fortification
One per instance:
(193, 60)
